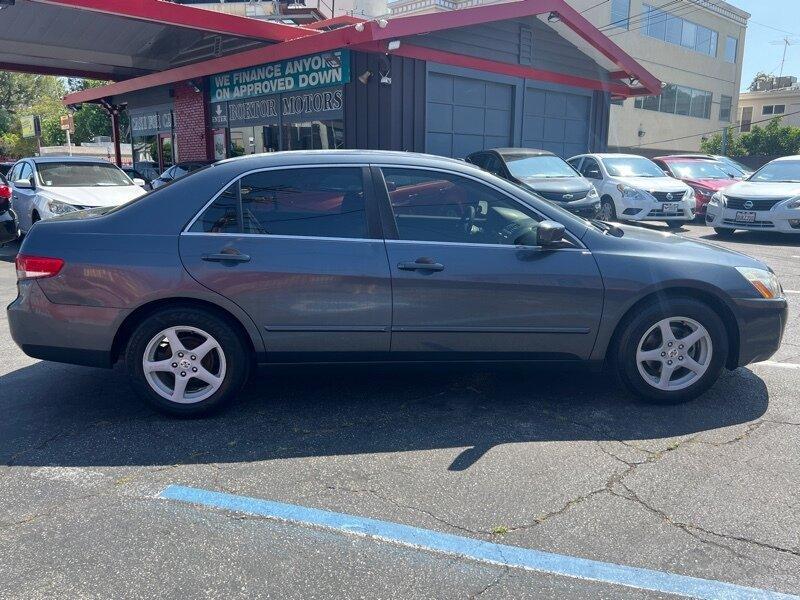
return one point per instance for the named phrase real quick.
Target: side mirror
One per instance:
(24, 184)
(549, 233)
(139, 181)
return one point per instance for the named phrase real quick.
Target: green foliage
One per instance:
(760, 76)
(773, 140)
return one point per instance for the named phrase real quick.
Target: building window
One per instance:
(672, 29)
(725, 103)
(620, 13)
(731, 49)
(679, 100)
(773, 109)
(747, 118)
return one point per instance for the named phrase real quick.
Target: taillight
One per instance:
(5, 198)
(37, 267)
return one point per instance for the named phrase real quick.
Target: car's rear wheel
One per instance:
(724, 232)
(607, 210)
(674, 225)
(671, 351)
(186, 362)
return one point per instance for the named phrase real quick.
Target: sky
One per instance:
(759, 52)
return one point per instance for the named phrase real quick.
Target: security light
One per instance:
(364, 77)
(553, 17)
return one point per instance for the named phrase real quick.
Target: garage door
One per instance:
(556, 121)
(465, 115)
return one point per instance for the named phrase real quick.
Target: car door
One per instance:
(300, 250)
(24, 199)
(463, 288)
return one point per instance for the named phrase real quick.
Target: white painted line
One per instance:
(475, 549)
(791, 291)
(779, 365)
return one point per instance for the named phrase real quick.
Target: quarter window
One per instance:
(26, 172)
(433, 206)
(314, 202)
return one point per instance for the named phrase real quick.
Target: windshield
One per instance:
(632, 166)
(526, 166)
(75, 174)
(784, 171)
(737, 166)
(698, 169)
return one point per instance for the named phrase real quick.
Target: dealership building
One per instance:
(529, 73)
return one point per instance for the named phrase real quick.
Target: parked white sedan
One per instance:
(768, 201)
(634, 188)
(44, 187)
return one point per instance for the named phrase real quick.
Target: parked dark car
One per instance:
(545, 174)
(8, 223)
(135, 174)
(176, 172)
(336, 256)
(5, 167)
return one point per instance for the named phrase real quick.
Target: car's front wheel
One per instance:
(671, 351)
(186, 362)
(607, 210)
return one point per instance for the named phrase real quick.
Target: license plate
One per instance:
(672, 207)
(743, 216)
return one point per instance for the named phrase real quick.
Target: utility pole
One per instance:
(725, 142)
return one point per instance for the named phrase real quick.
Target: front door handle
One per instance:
(235, 257)
(421, 264)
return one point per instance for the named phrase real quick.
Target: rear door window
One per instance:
(306, 202)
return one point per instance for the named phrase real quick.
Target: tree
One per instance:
(773, 140)
(759, 77)
(91, 120)
(19, 91)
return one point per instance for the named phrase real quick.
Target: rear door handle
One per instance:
(421, 264)
(226, 257)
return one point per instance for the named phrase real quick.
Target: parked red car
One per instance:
(705, 176)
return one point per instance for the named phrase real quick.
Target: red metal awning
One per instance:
(617, 72)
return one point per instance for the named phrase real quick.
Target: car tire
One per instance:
(608, 211)
(674, 225)
(179, 381)
(642, 352)
(724, 232)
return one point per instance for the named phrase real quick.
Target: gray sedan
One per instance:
(378, 256)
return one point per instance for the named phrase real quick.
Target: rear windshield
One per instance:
(67, 174)
(525, 166)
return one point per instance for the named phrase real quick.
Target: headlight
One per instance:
(717, 200)
(794, 203)
(592, 193)
(60, 208)
(765, 282)
(688, 194)
(629, 192)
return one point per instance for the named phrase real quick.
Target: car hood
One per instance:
(711, 184)
(665, 246)
(763, 189)
(93, 196)
(563, 185)
(654, 184)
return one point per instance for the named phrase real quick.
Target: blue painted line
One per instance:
(474, 549)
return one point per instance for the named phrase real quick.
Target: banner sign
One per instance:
(151, 121)
(284, 108)
(31, 126)
(294, 74)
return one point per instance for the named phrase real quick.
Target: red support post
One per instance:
(114, 112)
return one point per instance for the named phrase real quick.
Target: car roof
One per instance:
(67, 159)
(528, 151)
(787, 158)
(291, 157)
(696, 157)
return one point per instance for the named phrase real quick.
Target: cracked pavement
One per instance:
(546, 460)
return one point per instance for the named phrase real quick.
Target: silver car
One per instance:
(45, 187)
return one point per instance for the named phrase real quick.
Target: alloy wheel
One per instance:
(184, 364)
(674, 353)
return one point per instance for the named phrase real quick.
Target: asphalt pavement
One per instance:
(556, 462)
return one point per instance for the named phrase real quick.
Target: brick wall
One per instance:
(191, 126)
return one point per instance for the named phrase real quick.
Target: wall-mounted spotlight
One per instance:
(393, 45)
(382, 23)
(633, 81)
(195, 86)
(553, 17)
(365, 77)
(358, 27)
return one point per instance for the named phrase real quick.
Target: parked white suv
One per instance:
(768, 201)
(634, 188)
